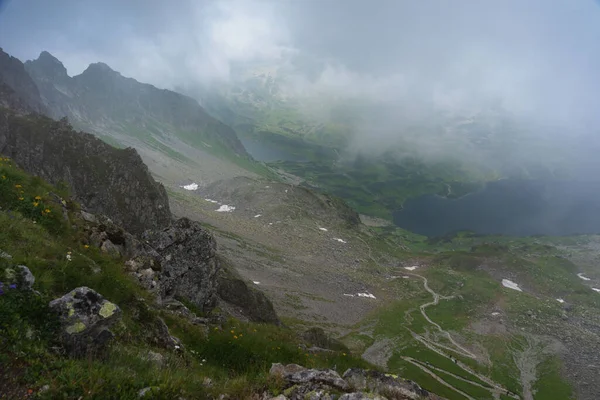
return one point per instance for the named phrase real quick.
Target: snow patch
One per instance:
(257, 215)
(511, 285)
(225, 208)
(256, 282)
(349, 295)
(411, 268)
(585, 278)
(211, 201)
(368, 295)
(340, 240)
(323, 229)
(560, 300)
(191, 186)
(596, 290)
(495, 314)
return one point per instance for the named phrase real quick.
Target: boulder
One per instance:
(21, 276)
(361, 396)
(246, 302)
(85, 318)
(317, 338)
(391, 385)
(294, 374)
(189, 264)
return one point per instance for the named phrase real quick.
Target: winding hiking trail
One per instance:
(495, 388)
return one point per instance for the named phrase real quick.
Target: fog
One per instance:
(536, 60)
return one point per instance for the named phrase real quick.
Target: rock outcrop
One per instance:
(189, 264)
(85, 318)
(105, 180)
(356, 384)
(242, 301)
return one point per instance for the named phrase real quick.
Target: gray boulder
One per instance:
(295, 374)
(21, 276)
(391, 385)
(361, 396)
(85, 318)
(241, 300)
(189, 264)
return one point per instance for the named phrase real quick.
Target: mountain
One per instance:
(110, 181)
(173, 133)
(17, 90)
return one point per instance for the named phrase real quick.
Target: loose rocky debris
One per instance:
(85, 318)
(356, 384)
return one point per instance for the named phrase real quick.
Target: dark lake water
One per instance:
(509, 207)
(267, 152)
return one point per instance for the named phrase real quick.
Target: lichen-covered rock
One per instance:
(189, 264)
(85, 318)
(21, 276)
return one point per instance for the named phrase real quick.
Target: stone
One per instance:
(252, 303)
(391, 385)
(361, 396)
(85, 318)
(192, 269)
(156, 358)
(5, 255)
(295, 374)
(27, 277)
(280, 397)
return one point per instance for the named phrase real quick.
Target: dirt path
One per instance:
(437, 378)
(436, 299)
(495, 388)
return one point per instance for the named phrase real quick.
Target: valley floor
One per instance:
(434, 312)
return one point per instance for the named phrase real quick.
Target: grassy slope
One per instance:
(235, 356)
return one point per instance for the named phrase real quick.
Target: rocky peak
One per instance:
(17, 90)
(47, 67)
(99, 68)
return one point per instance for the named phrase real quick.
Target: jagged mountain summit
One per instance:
(174, 135)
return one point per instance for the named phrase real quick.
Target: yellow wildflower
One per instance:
(38, 198)
(87, 246)
(3, 176)
(343, 354)
(35, 204)
(18, 186)
(235, 337)
(21, 198)
(47, 211)
(241, 335)
(232, 331)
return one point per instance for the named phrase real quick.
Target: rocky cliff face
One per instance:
(17, 90)
(102, 101)
(105, 180)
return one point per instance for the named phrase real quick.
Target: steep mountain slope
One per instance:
(174, 135)
(17, 90)
(106, 180)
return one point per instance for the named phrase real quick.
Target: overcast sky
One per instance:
(540, 57)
